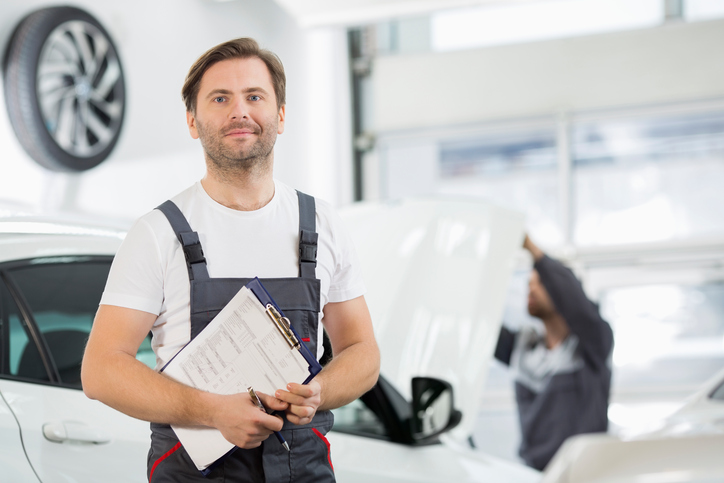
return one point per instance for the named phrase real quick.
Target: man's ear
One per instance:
(191, 123)
(282, 115)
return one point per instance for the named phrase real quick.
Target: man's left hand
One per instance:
(303, 401)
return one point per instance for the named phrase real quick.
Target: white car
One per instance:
(436, 314)
(703, 413)
(51, 279)
(687, 447)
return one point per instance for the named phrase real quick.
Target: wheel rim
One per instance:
(80, 88)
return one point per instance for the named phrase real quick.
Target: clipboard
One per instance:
(250, 343)
(284, 326)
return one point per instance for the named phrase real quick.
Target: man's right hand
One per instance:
(244, 424)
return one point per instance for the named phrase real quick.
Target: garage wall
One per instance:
(672, 63)
(155, 157)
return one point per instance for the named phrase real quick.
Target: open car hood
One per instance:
(437, 272)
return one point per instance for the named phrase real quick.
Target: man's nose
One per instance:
(238, 109)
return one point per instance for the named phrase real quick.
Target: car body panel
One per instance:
(30, 237)
(608, 459)
(361, 460)
(700, 414)
(36, 405)
(437, 272)
(15, 465)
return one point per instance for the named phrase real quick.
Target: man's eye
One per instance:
(219, 99)
(254, 98)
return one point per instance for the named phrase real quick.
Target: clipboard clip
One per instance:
(283, 325)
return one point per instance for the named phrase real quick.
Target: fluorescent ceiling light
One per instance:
(317, 13)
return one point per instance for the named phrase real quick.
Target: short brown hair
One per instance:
(242, 48)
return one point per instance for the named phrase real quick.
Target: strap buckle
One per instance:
(308, 247)
(194, 253)
(308, 253)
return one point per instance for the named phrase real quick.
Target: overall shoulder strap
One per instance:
(189, 239)
(307, 236)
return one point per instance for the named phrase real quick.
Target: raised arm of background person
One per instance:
(112, 374)
(353, 370)
(582, 316)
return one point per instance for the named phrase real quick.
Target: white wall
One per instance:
(155, 157)
(671, 63)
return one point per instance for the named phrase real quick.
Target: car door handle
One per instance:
(74, 432)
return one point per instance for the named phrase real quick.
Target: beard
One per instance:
(540, 309)
(232, 155)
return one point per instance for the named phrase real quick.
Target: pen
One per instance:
(257, 401)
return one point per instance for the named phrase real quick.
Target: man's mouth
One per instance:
(240, 132)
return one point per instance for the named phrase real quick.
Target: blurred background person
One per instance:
(562, 375)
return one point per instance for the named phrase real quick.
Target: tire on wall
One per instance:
(64, 88)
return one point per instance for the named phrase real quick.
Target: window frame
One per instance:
(394, 413)
(28, 320)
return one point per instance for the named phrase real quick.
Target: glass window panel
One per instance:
(640, 180)
(485, 26)
(514, 169)
(410, 169)
(357, 418)
(669, 339)
(63, 298)
(718, 393)
(502, 154)
(15, 330)
(703, 9)
(145, 352)
(667, 336)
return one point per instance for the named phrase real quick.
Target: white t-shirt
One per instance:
(149, 271)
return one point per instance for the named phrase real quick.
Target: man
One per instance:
(177, 263)
(562, 377)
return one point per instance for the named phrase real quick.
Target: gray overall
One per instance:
(299, 298)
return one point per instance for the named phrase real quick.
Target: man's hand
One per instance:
(303, 401)
(533, 249)
(244, 424)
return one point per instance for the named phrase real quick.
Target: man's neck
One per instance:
(556, 330)
(242, 191)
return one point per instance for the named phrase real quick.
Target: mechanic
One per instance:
(562, 376)
(236, 223)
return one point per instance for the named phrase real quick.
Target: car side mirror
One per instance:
(433, 411)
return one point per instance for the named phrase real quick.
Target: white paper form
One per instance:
(240, 348)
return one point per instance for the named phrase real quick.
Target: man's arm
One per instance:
(353, 370)
(112, 375)
(581, 315)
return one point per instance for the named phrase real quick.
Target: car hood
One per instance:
(437, 272)
(702, 413)
(604, 458)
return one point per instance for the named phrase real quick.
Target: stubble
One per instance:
(232, 158)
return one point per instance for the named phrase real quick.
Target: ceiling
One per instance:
(317, 13)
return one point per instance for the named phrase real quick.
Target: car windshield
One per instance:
(718, 394)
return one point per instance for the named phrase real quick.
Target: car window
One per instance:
(13, 336)
(62, 297)
(357, 418)
(718, 394)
